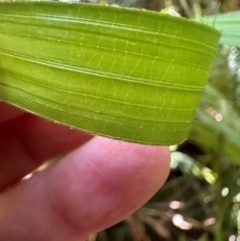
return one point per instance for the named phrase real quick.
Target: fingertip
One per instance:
(109, 180)
(92, 188)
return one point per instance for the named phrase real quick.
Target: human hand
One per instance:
(93, 187)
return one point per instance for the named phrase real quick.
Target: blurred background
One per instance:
(201, 198)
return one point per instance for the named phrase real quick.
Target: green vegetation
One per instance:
(201, 199)
(118, 72)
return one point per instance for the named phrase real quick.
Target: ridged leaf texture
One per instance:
(123, 73)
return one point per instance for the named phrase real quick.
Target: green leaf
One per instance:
(228, 24)
(217, 123)
(218, 118)
(123, 73)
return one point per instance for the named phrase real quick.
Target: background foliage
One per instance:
(201, 198)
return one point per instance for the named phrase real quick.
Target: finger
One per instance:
(8, 112)
(27, 141)
(92, 188)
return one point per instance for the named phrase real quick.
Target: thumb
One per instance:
(92, 188)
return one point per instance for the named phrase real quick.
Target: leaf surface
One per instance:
(123, 73)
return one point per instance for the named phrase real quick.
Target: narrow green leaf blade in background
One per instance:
(228, 24)
(124, 73)
(214, 131)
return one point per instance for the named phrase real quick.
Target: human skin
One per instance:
(99, 183)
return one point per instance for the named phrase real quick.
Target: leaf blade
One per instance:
(121, 73)
(228, 24)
